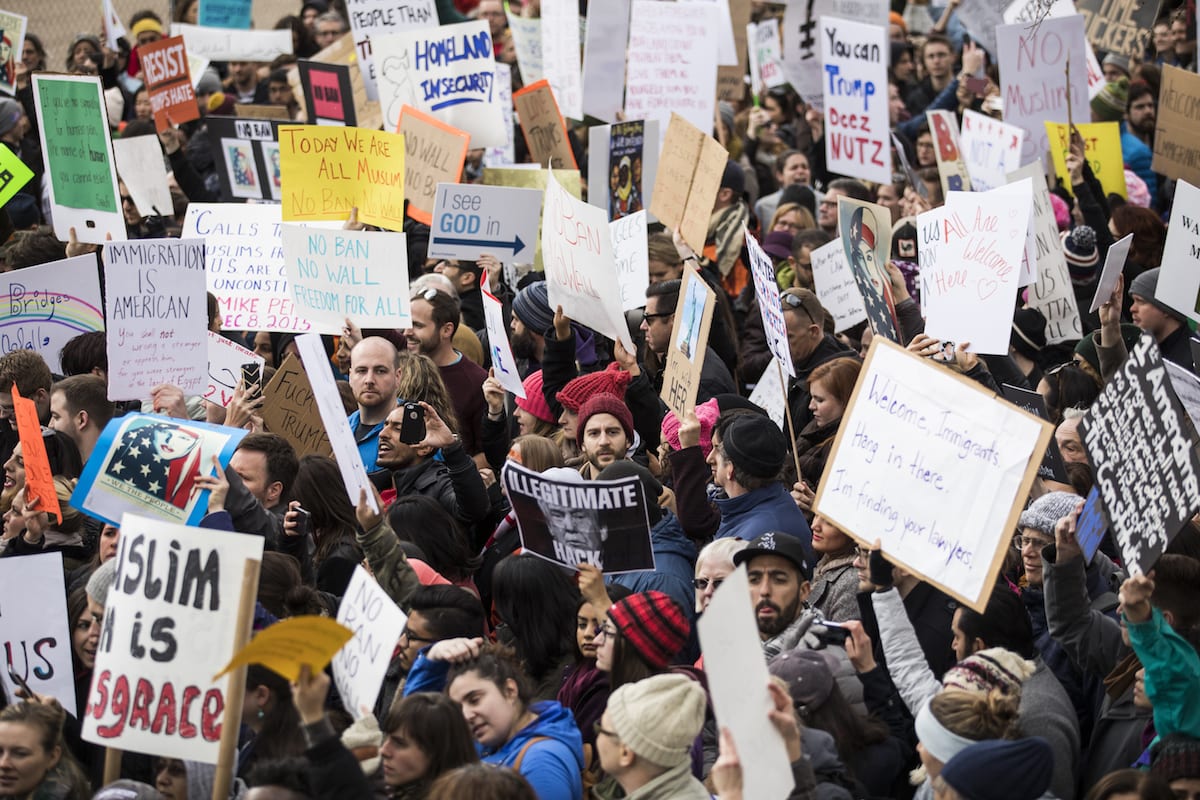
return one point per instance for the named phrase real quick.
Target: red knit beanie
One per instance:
(654, 625)
(534, 401)
(612, 380)
(605, 403)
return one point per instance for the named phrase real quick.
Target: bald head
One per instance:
(374, 378)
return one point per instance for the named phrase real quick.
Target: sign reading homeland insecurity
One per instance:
(378, 18)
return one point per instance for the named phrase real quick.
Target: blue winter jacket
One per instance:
(769, 508)
(554, 765)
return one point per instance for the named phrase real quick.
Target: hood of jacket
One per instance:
(553, 722)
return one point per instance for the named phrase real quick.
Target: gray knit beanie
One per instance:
(101, 581)
(1045, 512)
(659, 717)
(1145, 286)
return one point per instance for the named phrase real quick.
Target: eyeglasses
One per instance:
(796, 303)
(606, 631)
(126, 198)
(701, 584)
(863, 553)
(599, 731)
(1038, 542)
(649, 317)
(409, 635)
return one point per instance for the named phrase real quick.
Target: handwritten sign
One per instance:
(1177, 134)
(290, 410)
(1187, 388)
(13, 28)
(560, 54)
(504, 365)
(1144, 453)
(581, 273)
(769, 305)
(769, 394)
(164, 637)
(225, 360)
(157, 316)
(471, 220)
(225, 13)
(376, 623)
(13, 175)
(35, 633)
(689, 343)
(1119, 26)
(672, 63)
(328, 96)
(44, 307)
(952, 170)
(527, 41)
(140, 165)
(766, 58)
(991, 149)
(379, 18)
(544, 128)
(1101, 148)
(328, 172)
(604, 61)
(836, 287)
(434, 153)
(866, 237)
(856, 111)
(629, 241)
(77, 152)
(168, 81)
(915, 443)
(504, 153)
(39, 480)
(232, 44)
(1178, 280)
(801, 51)
(690, 168)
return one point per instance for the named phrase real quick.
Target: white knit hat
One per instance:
(101, 581)
(659, 717)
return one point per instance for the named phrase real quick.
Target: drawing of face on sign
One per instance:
(577, 533)
(159, 459)
(867, 243)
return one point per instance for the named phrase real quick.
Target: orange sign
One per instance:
(39, 481)
(168, 82)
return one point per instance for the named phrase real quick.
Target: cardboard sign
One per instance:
(290, 410)
(1119, 26)
(328, 172)
(914, 445)
(12, 31)
(801, 50)
(78, 156)
(527, 41)
(243, 255)
(629, 241)
(856, 109)
(1178, 123)
(689, 343)
(13, 175)
(952, 170)
(289, 644)
(1114, 262)
(37, 640)
(248, 150)
(168, 82)
(690, 168)
(504, 365)
(434, 154)
(731, 85)
(328, 96)
(362, 275)
(378, 18)
(1138, 439)
(157, 316)
(769, 305)
(604, 61)
(147, 464)
(1052, 293)
(231, 44)
(141, 167)
(1179, 280)
(447, 71)
(581, 273)
(543, 126)
(560, 55)
(164, 637)
(225, 360)
(991, 149)
(866, 236)
(470, 220)
(769, 394)
(766, 57)
(1052, 467)
(1033, 61)
(39, 480)
(602, 523)
(225, 13)
(1101, 148)
(376, 623)
(672, 63)
(44, 307)
(836, 287)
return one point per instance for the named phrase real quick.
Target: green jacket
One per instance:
(1172, 675)
(386, 558)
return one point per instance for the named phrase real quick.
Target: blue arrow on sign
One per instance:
(516, 245)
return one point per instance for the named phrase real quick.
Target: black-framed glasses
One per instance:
(606, 632)
(406, 633)
(701, 584)
(601, 731)
(663, 315)
(796, 303)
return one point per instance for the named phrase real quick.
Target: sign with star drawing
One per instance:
(148, 464)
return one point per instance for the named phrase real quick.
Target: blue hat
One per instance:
(1001, 770)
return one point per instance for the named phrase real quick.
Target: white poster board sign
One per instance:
(1114, 262)
(50, 304)
(764, 53)
(225, 360)
(855, 56)
(381, 17)
(990, 148)
(560, 55)
(836, 287)
(604, 61)
(672, 62)
(1179, 280)
(34, 628)
(527, 41)
(140, 165)
(359, 667)
(471, 220)
(629, 242)
(801, 49)
(769, 305)
(504, 365)
(234, 44)
(768, 394)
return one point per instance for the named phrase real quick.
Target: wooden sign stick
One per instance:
(787, 411)
(1070, 118)
(112, 765)
(235, 690)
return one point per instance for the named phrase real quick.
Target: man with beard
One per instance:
(604, 433)
(374, 378)
(1137, 129)
(531, 320)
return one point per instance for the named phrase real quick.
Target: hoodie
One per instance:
(554, 765)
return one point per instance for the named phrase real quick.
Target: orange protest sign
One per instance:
(169, 82)
(435, 153)
(39, 481)
(543, 126)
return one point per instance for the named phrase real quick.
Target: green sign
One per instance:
(13, 174)
(74, 120)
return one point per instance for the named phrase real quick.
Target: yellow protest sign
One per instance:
(326, 171)
(13, 174)
(1101, 148)
(286, 646)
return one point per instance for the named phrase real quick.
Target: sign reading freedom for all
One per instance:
(169, 625)
(916, 443)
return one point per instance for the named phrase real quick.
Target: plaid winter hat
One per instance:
(654, 625)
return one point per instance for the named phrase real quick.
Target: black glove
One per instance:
(881, 571)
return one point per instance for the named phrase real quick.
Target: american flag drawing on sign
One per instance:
(159, 458)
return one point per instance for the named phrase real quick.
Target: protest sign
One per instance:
(504, 153)
(688, 343)
(1052, 467)
(447, 71)
(470, 220)
(243, 256)
(343, 51)
(581, 273)
(1187, 389)
(769, 305)
(232, 44)
(1176, 140)
(731, 86)
(13, 175)
(39, 480)
(249, 157)
(866, 235)
(527, 41)
(766, 58)
(690, 168)
(333, 416)
(543, 126)
(35, 632)
(1114, 262)
(333, 275)
(1052, 293)
(915, 443)
(602, 523)
(434, 154)
(286, 646)
(1179, 280)
(157, 316)
(73, 126)
(1092, 525)
(1119, 26)
(1138, 440)
(528, 176)
(140, 165)
(672, 62)
(328, 96)
(855, 56)
(737, 682)
(1027, 11)
(290, 410)
(726, 40)
(836, 287)
(801, 52)
(12, 44)
(225, 13)
(114, 29)
(1033, 61)
(504, 365)
(378, 18)
(148, 464)
(168, 82)
(560, 55)
(1101, 148)
(629, 242)
(603, 80)
(376, 622)
(952, 169)
(991, 149)
(44, 307)
(171, 621)
(328, 172)
(225, 360)
(980, 18)
(769, 394)
(619, 158)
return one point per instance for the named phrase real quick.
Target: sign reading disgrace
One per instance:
(914, 448)
(169, 626)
